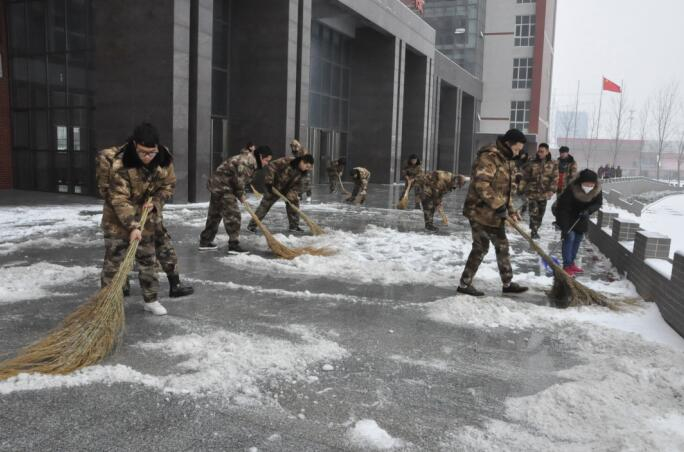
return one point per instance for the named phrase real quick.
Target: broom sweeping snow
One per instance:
(403, 202)
(278, 248)
(315, 229)
(86, 336)
(344, 190)
(566, 291)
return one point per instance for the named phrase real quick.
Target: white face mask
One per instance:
(587, 189)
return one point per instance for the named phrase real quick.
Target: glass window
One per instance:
(520, 115)
(219, 92)
(17, 26)
(522, 73)
(20, 129)
(78, 24)
(36, 26)
(57, 76)
(524, 31)
(37, 75)
(62, 141)
(57, 26)
(76, 131)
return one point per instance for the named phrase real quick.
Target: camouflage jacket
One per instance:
(233, 175)
(281, 174)
(436, 184)
(335, 169)
(103, 165)
(411, 171)
(492, 185)
(131, 184)
(361, 174)
(539, 178)
(567, 170)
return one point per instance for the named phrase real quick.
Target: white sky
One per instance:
(637, 42)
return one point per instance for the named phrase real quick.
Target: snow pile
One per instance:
(367, 434)
(230, 365)
(49, 227)
(378, 255)
(31, 282)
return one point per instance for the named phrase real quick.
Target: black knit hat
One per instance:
(563, 149)
(587, 175)
(514, 136)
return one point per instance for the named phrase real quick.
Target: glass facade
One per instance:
(329, 90)
(522, 72)
(220, 72)
(51, 97)
(459, 25)
(525, 30)
(520, 115)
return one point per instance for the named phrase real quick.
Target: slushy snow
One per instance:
(368, 435)
(31, 282)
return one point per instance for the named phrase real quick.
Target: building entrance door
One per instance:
(326, 145)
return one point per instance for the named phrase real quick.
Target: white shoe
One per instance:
(155, 308)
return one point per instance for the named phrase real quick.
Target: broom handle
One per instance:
(534, 245)
(256, 219)
(407, 191)
(344, 190)
(254, 190)
(445, 220)
(127, 263)
(296, 209)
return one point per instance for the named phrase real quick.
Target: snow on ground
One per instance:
(220, 363)
(368, 435)
(597, 403)
(31, 282)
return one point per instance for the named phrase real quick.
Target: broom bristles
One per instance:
(445, 219)
(566, 290)
(403, 202)
(278, 248)
(86, 336)
(344, 190)
(315, 229)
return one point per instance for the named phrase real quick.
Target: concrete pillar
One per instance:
(605, 219)
(468, 120)
(649, 245)
(447, 138)
(624, 230)
(416, 90)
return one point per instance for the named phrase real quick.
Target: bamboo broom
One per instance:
(278, 248)
(256, 193)
(86, 336)
(315, 229)
(566, 290)
(445, 220)
(403, 202)
(344, 190)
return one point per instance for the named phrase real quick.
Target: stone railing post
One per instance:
(649, 245)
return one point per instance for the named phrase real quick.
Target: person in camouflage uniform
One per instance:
(538, 185)
(411, 173)
(286, 175)
(144, 171)
(433, 186)
(164, 250)
(298, 151)
(361, 176)
(335, 169)
(488, 204)
(567, 169)
(227, 186)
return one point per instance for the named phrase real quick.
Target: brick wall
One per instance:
(651, 284)
(5, 130)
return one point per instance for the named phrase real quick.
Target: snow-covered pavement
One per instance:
(369, 349)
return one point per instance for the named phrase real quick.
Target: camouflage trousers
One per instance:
(333, 181)
(537, 211)
(164, 254)
(306, 185)
(429, 207)
(482, 235)
(222, 207)
(267, 202)
(359, 193)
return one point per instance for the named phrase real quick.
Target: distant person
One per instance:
(412, 173)
(567, 168)
(360, 176)
(575, 205)
(335, 170)
(601, 172)
(538, 185)
(618, 171)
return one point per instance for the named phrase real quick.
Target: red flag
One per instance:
(610, 86)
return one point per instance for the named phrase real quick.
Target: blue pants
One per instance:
(571, 245)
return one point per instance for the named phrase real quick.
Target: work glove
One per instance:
(501, 212)
(584, 214)
(564, 234)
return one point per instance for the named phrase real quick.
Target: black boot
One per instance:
(235, 247)
(514, 288)
(296, 228)
(126, 291)
(252, 227)
(534, 234)
(469, 290)
(176, 289)
(431, 227)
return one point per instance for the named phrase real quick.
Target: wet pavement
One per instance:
(416, 377)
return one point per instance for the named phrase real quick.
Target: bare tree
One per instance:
(590, 146)
(644, 117)
(620, 109)
(567, 124)
(665, 110)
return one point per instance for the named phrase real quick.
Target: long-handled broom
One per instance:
(315, 229)
(256, 193)
(445, 220)
(403, 202)
(344, 190)
(278, 248)
(86, 336)
(566, 290)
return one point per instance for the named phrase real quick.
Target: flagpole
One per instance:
(598, 122)
(574, 127)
